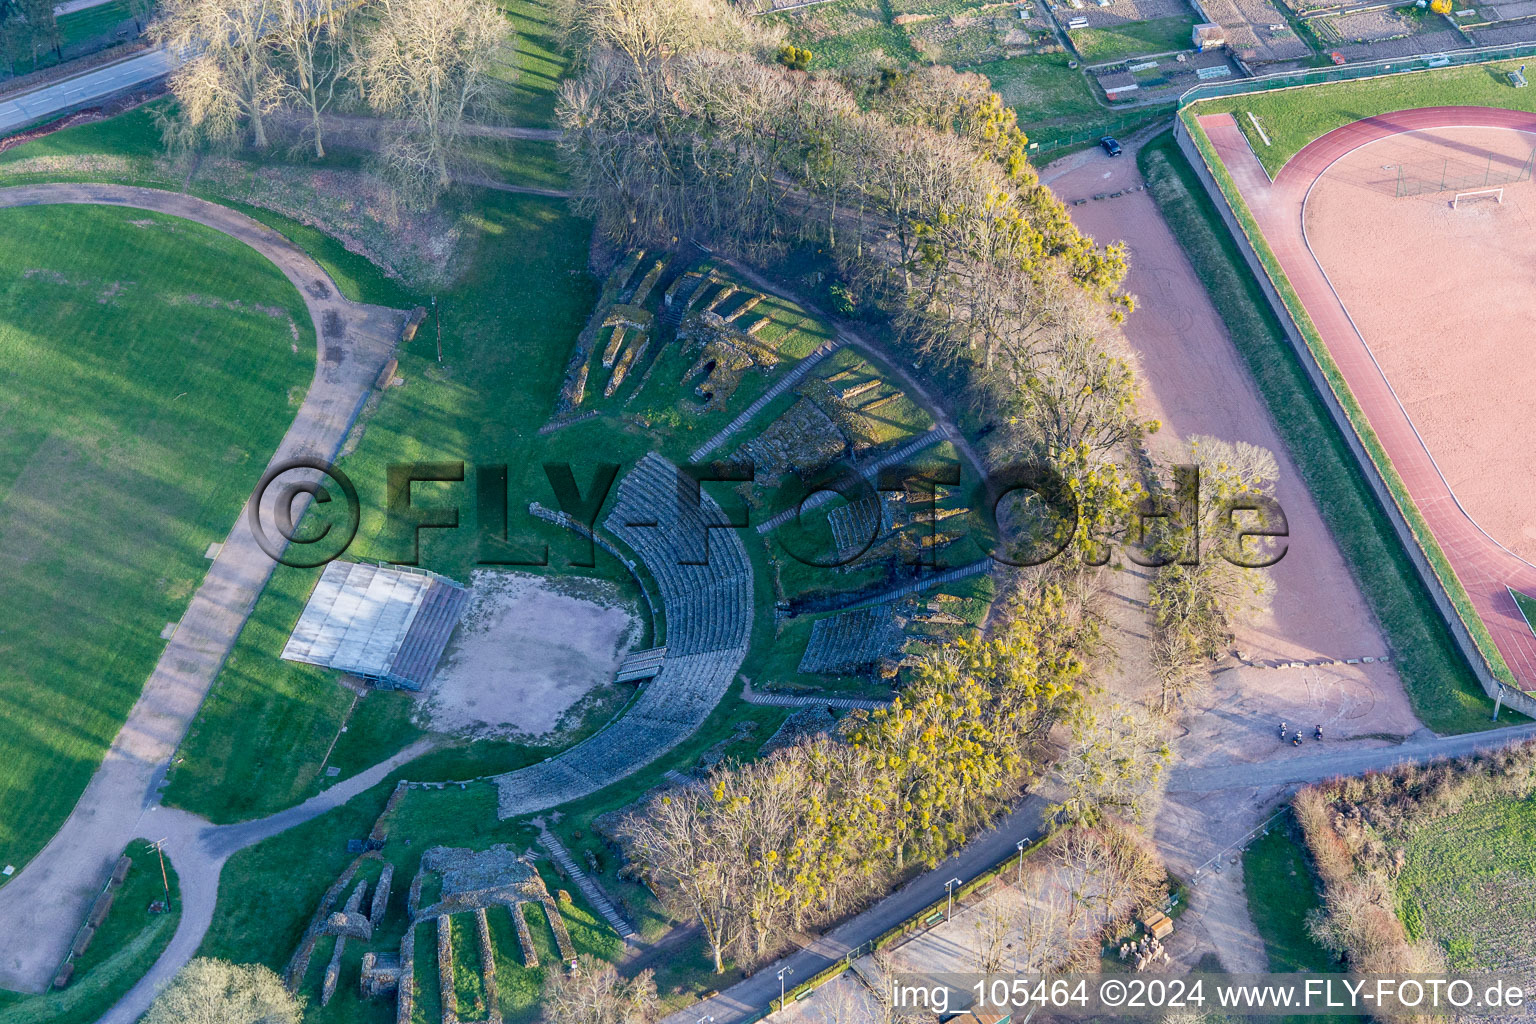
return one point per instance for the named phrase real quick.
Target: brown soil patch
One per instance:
(1442, 298)
(527, 652)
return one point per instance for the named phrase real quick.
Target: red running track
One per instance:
(1484, 568)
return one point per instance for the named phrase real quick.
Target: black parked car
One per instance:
(1110, 145)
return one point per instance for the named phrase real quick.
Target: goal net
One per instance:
(1481, 195)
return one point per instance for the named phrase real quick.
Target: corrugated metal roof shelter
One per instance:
(388, 625)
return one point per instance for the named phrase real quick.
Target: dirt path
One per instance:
(1484, 568)
(198, 852)
(42, 906)
(1197, 384)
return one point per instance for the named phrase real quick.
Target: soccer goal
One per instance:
(1496, 194)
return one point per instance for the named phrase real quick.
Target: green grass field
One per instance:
(1042, 89)
(1527, 607)
(125, 946)
(1294, 117)
(1444, 693)
(1469, 886)
(150, 367)
(258, 743)
(1157, 35)
(1282, 891)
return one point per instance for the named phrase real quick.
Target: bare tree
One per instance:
(308, 39)
(219, 992)
(229, 82)
(990, 954)
(1195, 602)
(1114, 766)
(677, 842)
(647, 31)
(593, 993)
(36, 27)
(140, 11)
(429, 64)
(1045, 941)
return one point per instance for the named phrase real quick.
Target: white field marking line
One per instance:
(1259, 128)
(1515, 596)
(1307, 241)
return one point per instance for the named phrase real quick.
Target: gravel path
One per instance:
(42, 906)
(198, 851)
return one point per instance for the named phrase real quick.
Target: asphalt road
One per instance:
(96, 84)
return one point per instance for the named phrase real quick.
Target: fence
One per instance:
(1427, 178)
(1348, 72)
(918, 922)
(1091, 135)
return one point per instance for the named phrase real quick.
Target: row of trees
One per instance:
(428, 66)
(28, 29)
(683, 124)
(1200, 593)
(797, 839)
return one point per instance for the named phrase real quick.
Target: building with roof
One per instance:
(389, 625)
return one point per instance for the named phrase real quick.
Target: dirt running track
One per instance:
(1195, 383)
(1484, 567)
(41, 908)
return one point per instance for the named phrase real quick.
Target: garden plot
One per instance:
(529, 650)
(1256, 30)
(1125, 39)
(1371, 35)
(1500, 32)
(1123, 12)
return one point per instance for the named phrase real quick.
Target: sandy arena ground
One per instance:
(1197, 384)
(527, 651)
(1459, 281)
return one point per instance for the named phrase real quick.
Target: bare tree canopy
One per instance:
(219, 992)
(229, 85)
(307, 41)
(430, 64)
(593, 993)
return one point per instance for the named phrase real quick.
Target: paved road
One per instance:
(72, 6)
(1330, 763)
(42, 906)
(89, 87)
(1485, 568)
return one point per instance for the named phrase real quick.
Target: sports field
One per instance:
(1419, 300)
(137, 416)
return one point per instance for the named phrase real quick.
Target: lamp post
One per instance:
(949, 889)
(782, 972)
(159, 848)
(1021, 844)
